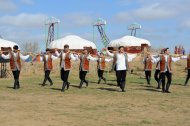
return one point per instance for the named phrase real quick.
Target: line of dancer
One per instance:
(120, 60)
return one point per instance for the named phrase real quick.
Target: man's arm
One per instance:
(22, 57)
(92, 58)
(5, 56)
(175, 59)
(108, 60)
(131, 57)
(110, 54)
(74, 57)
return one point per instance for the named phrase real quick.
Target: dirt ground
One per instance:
(97, 105)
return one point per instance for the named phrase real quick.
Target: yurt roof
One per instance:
(128, 41)
(6, 43)
(74, 42)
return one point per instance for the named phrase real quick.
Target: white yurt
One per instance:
(132, 44)
(6, 44)
(75, 43)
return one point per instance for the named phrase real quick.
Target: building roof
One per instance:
(6, 43)
(74, 42)
(128, 41)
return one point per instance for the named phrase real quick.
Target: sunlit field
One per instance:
(99, 104)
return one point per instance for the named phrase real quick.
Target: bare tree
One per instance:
(30, 47)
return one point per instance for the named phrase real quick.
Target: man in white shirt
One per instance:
(188, 68)
(101, 65)
(65, 62)
(85, 58)
(15, 64)
(48, 66)
(148, 61)
(165, 68)
(121, 60)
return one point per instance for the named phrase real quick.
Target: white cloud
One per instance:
(29, 2)
(151, 10)
(7, 5)
(154, 12)
(185, 23)
(79, 19)
(146, 13)
(24, 20)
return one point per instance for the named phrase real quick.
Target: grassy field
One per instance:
(97, 105)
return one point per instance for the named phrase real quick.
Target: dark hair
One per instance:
(66, 46)
(121, 47)
(85, 49)
(15, 47)
(165, 49)
(47, 49)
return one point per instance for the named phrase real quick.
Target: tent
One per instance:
(6, 44)
(75, 43)
(132, 44)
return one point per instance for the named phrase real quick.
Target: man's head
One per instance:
(15, 48)
(148, 54)
(166, 51)
(101, 54)
(121, 49)
(85, 51)
(66, 48)
(47, 50)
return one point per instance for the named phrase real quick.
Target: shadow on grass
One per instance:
(10, 87)
(148, 86)
(56, 89)
(92, 82)
(110, 84)
(151, 90)
(111, 80)
(177, 84)
(108, 89)
(136, 82)
(75, 86)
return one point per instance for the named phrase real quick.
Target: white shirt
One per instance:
(121, 61)
(15, 55)
(46, 57)
(174, 59)
(71, 56)
(106, 60)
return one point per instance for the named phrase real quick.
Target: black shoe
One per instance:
(123, 90)
(63, 87)
(43, 85)
(99, 81)
(104, 80)
(185, 84)
(51, 84)
(68, 84)
(167, 91)
(81, 83)
(86, 83)
(158, 88)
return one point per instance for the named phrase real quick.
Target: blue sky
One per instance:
(164, 23)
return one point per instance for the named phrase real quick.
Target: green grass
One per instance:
(97, 105)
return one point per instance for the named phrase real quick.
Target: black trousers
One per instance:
(148, 76)
(64, 75)
(82, 75)
(16, 75)
(47, 77)
(121, 78)
(100, 73)
(157, 76)
(188, 76)
(163, 75)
